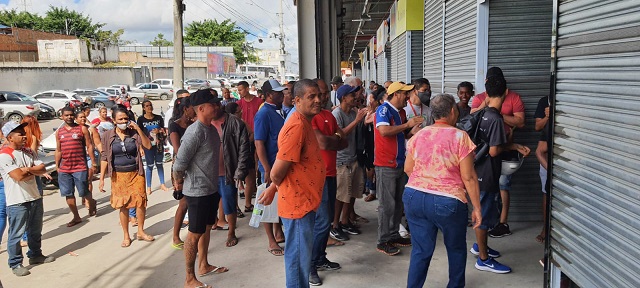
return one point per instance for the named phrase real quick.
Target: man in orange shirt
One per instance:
(298, 174)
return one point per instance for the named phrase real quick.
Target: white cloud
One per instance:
(142, 20)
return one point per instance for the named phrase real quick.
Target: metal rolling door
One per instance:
(381, 68)
(432, 44)
(415, 54)
(398, 61)
(459, 43)
(387, 55)
(596, 163)
(520, 44)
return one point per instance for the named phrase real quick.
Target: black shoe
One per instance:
(349, 228)
(327, 265)
(41, 259)
(314, 279)
(241, 195)
(500, 230)
(388, 248)
(338, 235)
(401, 242)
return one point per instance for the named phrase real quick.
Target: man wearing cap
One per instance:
(18, 166)
(336, 82)
(195, 172)
(389, 161)
(268, 123)
(350, 180)
(512, 112)
(418, 103)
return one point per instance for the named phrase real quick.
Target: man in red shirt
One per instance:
(249, 104)
(513, 114)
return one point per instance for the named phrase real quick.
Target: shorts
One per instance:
(229, 194)
(202, 212)
(505, 182)
(350, 182)
(68, 182)
(490, 213)
(97, 157)
(543, 178)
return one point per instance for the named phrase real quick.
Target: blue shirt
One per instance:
(390, 151)
(267, 124)
(287, 110)
(290, 113)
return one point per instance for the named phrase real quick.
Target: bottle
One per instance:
(256, 216)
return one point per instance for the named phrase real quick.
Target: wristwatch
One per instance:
(339, 136)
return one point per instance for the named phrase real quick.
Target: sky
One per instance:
(142, 20)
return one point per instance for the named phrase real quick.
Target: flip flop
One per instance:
(73, 223)
(233, 241)
(125, 244)
(335, 243)
(275, 251)
(204, 286)
(178, 246)
(239, 213)
(248, 208)
(225, 227)
(217, 270)
(146, 237)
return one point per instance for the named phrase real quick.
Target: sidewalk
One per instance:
(101, 262)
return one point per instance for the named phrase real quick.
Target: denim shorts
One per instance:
(68, 182)
(229, 194)
(543, 178)
(505, 182)
(490, 213)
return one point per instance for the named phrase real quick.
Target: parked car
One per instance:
(224, 81)
(154, 91)
(235, 79)
(46, 111)
(136, 98)
(14, 109)
(164, 83)
(58, 99)
(99, 98)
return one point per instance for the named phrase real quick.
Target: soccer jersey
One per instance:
(390, 150)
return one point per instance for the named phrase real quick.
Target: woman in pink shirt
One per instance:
(441, 176)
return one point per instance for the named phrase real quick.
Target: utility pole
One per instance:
(283, 53)
(178, 46)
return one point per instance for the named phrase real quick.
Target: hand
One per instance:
(546, 112)
(101, 186)
(133, 125)
(476, 217)
(524, 150)
(266, 198)
(240, 184)
(361, 114)
(415, 121)
(415, 130)
(46, 175)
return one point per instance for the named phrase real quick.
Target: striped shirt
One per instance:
(72, 148)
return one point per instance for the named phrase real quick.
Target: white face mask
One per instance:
(122, 126)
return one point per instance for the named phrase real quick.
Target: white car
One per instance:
(57, 98)
(224, 82)
(136, 97)
(164, 83)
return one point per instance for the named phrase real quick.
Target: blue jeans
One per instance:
(3, 210)
(132, 213)
(41, 190)
(24, 217)
(229, 194)
(426, 214)
(297, 252)
(153, 157)
(324, 217)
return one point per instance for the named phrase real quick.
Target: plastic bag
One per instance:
(270, 213)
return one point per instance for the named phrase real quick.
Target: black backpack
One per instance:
(470, 125)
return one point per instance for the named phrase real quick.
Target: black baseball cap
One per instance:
(203, 96)
(495, 72)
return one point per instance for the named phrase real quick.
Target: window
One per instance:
(44, 96)
(59, 96)
(48, 45)
(11, 97)
(75, 96)
(154, 86)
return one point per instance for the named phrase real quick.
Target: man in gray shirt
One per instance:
(196, 170)
(350, 177)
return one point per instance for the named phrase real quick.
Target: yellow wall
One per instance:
(409, 16)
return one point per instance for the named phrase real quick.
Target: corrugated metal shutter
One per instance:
(381, 68)
(373, 70)
(398, 61)
(459, 43)
(416, 53)
(433, 43)
(596, 202)
(520, 44)
(387, 55)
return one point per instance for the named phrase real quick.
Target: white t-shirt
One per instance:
(422, 110)
(22, 191)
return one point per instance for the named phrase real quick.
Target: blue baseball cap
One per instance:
(11, 126)
(345, 90)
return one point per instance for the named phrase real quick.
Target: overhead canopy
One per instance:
(359, 31)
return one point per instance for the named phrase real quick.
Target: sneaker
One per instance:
(20, 271)
(327, 265)
(388, 248)
(314, 279)
(492, 253)
(241, 195)
(41, 259)
(492, 265)
(349, 228)
(401, 242)
(500, 230)
(338, 235)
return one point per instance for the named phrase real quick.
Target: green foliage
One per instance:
(22, 19)
(225, 33)
(160, 41)
(70, 22)
(112, 38)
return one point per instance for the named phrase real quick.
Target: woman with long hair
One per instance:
(121, 160)
(376, 98)
(153, 126)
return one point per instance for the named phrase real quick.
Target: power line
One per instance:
(290, 10)
(238, 26)
(265, 10)
(241, 17)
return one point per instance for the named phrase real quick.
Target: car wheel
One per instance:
(135, 101)
(98, 105)
(15, 117)
(164, 97)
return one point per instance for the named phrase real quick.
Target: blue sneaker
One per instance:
(492, 265)
(492, 253)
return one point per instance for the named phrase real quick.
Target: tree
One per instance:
(111, 38)
(22, 19)
(70, 22)
(225, 33)
(160, 41)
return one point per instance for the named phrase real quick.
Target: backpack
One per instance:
(470, 125)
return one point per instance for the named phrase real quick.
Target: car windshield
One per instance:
(75, 96)
(102, 93)
(25, 97)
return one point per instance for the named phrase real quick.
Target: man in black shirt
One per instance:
(489, 168)
(542, 118)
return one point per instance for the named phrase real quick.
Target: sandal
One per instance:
(233, 241)
(239, 213)
(73, 223)
(145, 237)
(178, 246)
(276, 252)
(126, 243)
(248, 208)
(217, 270)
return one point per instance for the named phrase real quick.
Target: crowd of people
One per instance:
(307, 149)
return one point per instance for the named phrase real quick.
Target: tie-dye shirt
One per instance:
(437, 153)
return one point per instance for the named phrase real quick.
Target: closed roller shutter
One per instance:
(387, 55)
(381, 68)
(373, 70)
(459, 44)
(596, 166)
(432, 64)
(416, 53)
(520, 44)
(398, 61)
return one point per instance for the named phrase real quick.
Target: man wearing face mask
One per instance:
(418, 103)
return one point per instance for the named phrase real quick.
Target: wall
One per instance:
(72, 50)
(34, 80)
(189, 73)
(25, 40)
